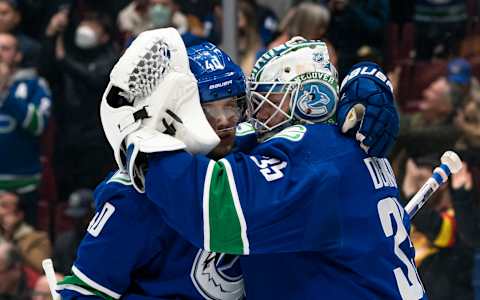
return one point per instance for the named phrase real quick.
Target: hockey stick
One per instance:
(47, 265)
(451, 164)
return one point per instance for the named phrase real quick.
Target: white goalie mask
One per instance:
(293, 83)
(152, 86)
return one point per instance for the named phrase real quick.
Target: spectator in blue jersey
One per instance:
(440, 27)
(299, 205)
(24, 111)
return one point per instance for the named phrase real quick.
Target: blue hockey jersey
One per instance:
(314, 216)
(24, 113)
(130, 252)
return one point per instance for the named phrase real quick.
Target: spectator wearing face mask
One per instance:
(80, 72)
(141, 15)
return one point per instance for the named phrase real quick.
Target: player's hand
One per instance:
(366, 109)
(139, 144)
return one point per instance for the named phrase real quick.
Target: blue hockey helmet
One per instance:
(217, 75)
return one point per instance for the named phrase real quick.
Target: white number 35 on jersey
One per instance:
(270, 167)
(100, 219)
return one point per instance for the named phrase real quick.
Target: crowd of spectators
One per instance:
(55, 57)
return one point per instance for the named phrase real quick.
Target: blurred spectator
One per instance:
(249, 41)
(465, 202)
(267, 21)
(9, 21)
(432, 127)
(439, 27)
(80, 209)
(41, 291)
(355, 24)
(444, 261)
(308, 20)
(13, 282)
(34, 246)
(464, 87)
(81, 73)
(141, 15)
(465, 91)
(468, 122)
(24, 110)
(263, 18)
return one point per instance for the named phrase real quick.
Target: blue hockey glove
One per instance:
(366, 109)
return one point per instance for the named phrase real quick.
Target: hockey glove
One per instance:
(139, 144)
(366, 109)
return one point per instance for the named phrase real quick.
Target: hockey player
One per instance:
(312, 213)
(129, 251)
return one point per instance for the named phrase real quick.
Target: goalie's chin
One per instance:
(224, 147)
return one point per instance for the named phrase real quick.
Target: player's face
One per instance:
(269, 114)
(223, 115)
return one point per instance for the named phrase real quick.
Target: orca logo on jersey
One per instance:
(217, 276)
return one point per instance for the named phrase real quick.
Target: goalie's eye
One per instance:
(115, 98)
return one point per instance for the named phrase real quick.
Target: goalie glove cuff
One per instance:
(139, 144)
(370, 71)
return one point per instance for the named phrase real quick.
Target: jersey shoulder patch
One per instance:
(293, 133)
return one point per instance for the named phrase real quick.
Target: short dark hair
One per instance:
(103, 19)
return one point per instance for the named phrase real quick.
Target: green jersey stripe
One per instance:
(93, 285)
(238, 207)
(224, 223)
(76, 284)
